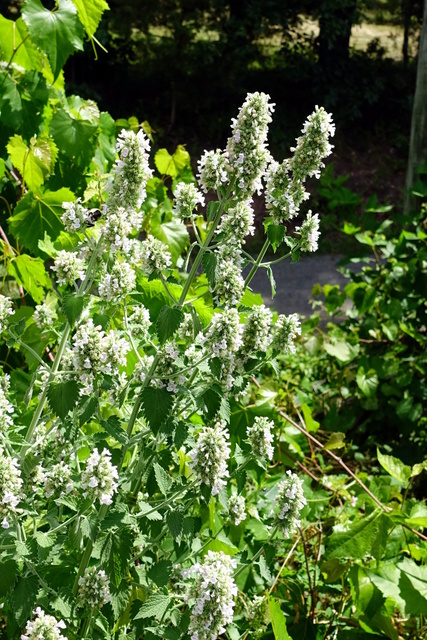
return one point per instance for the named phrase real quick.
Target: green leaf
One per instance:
(63, 397)
(168, 322)
(34, 162)
(276, 234)
(73, 134)
(367, 381)
(173, 234)
(394, 467)
(115, 552)
(272, 281)
(210, 267)
(335, 441)
(155, 607)
(342, 351)
(364, 536)
(156, 404)
(386, 579)
(160, 572)
(278, 620)
(311, 424)
(413, 586)
(31, 274)
(90, 13)
(14, 41)
(8, 575)
(333, 569)
(73, 307)
(212, 210)
(175, 520)
(172, 165)
(113, 427)
(163, 479)
(37, 214)
(23, 598)
(58, 33)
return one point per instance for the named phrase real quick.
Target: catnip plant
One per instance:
(126, 488)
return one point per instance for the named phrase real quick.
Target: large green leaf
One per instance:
(14, 41)
(23, 598)
(342, 351)
(36, 161)
(58, 33)
(90, 13)
(37, 214)
(156, 404)
(367, 381)
(386, 579)
(173, 233)
(74, 135)
(63, 397)
(395, 467)
(172, 165)
(278, 620)
(367, 535)
(154, 607)
(413, 586)
(31, 274)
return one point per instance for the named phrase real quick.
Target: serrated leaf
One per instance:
(90, 13)
(14, 41)
(175, 520)
(168, 322)
(147, 511)
(210, 267)
(156, 404)
(367, 381)
(31, 274)
(155, 607)
(33, 162)
(73, 307)
(63, 397)
(37, 214)
(116, 552)
(8, 575)
(58, 33)
(23, 598)
(272, 281)
(278, 620)
(163, 479)
(368, 535)
(113, 427)
(276, 234)
(173, 234)
(394, 467)
(160, 572)
(119, 598)
(73, 134)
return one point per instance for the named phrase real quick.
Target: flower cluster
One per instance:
(140, 321)
(75, 216)
(229, 285)
(289, 502)
(99, 477)
(57, 481)
(6, 310)
(283, 194)
(286, 330)
(94, 590)
(237, 508)
(6, 409)
(257, 331)
(117, 284)
(258, 614)
(313, 145)
(131, 171)
(68, 267)
(154, 256)
(213, 170)
(214, 592)
(247, 147)
(187, 198)
(43, 316)
(94, 351)
(10, 487)
(309, 232)
(209, 456)
(224, 335)
(260, 438)
(44, 627)
(118, 226)
(237, 222)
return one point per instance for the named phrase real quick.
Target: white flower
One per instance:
(6, 409)
(257, 331)
(237, 508)
(69, 267)
(10, 485)
(289, 502)
(93, 588)
(154, 256)
(6, 310)
(237, 223)
(209, 456)
(286, 330)
(309, 232)
(213, 170)
(44, 627)
(261, 438)
(44, 316)
(213, 592)
(99, 477)
(187, 198)
(224, 334)
(75, 216)
(118, 283)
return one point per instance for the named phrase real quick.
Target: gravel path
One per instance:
(294, 282)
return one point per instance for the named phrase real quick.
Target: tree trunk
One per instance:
(418, 140)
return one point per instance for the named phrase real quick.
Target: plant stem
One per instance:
(257, 262)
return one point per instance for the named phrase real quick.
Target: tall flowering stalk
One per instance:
(123, 461)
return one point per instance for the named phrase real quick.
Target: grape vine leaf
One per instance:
(37, 214)
(90, 13)
(34, 162)
(58, 33)
(73, 134)
(30, 273)
(14, 41)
